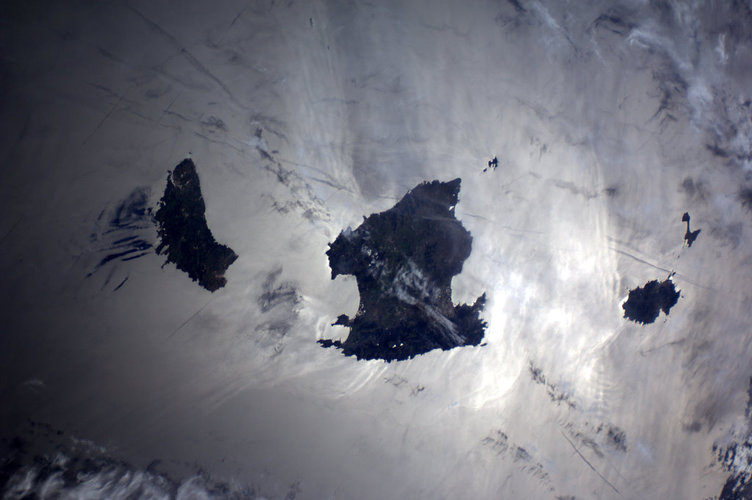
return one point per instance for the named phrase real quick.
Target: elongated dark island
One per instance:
(184, 236)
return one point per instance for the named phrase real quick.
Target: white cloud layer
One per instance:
(609, 119)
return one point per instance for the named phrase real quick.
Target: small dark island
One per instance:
(689, 236)
(184, 236)
(644, 303)
(403, 260)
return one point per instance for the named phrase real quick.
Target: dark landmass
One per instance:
(738, 486)
(690, 236)
(185, 237)
(404, 260)
(736, 458)
(493, 164)
(644, 303)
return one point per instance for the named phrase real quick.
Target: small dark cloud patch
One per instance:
(517, 6)
(214, 124)
(123, 233)
(132, 212)
(730, 234)
(499, 443)
(125, 249)
(613, 22)
(274, 293)
(513, 15)
(671, 92)
(688, 186)
(745, 197)
(617, 438)
(521, 453)
(694, 189)
(279, 302)
(692, 427)
(718, 151)
(294, 491)
(733, 124)
(402, 382)
(645, 303)
(270, 335)
(607, 434)
(302, 198)
(275, 328)
(156, 92)
(556, 395)
(585, 437)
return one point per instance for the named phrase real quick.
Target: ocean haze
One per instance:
(609, 120)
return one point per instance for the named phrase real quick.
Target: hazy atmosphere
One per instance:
(164, 340)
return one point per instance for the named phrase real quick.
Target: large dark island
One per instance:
(645, 303)
(404, 260)
(183, 233)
